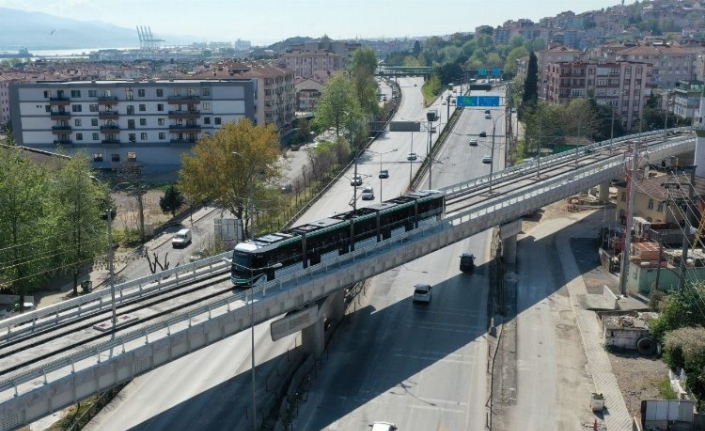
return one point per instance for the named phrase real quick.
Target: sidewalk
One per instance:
(59, 288)
(615, 417)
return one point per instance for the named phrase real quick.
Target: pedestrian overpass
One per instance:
(404, 71)
(35, 391)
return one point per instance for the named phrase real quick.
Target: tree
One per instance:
(214, 173)
(531, 89)
(8, 132)
(685, 348)
(681, 308)
(172, 200)
(23, 231)
(417, 48)
(131, 174)
(510, 65)
(362, 70)
(338, 107)
(76, 211)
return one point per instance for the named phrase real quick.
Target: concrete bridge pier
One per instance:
(330, 311)
(604, 192)
(509, 249)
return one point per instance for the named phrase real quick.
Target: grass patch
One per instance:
(664, 387)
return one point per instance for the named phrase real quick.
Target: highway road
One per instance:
(419, 366)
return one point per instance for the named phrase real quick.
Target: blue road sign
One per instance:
(477, 101)
(482, 72)
(497, 71)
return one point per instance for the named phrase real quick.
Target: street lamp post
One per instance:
(252, 333)
(665, 123)
(381, 180)
(250, 203)
(494, 130)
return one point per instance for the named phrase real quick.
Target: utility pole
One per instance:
(684, 252)
(631, 176)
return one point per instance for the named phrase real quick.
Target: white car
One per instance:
(368, 194)
(487, 159)
(383, 426)
(356, 180)
(411, 157)
(422, 293)
(473, 142)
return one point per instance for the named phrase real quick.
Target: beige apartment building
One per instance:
(276, 103)
(622, 85)
(555, 54)
(326, 56)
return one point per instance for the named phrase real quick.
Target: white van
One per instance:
(181, 238)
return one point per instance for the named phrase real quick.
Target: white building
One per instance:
(150, 122)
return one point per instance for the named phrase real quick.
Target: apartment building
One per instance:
(150, 122)
(276, 103)
(553, 54)
(622, 85)
(669, 63)
(686, 98)
(308, 91)
(325, 56)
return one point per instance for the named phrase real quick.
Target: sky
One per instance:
(269, 21)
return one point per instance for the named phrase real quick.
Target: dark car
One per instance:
(483, 134)
(384, 173)
(467, 262)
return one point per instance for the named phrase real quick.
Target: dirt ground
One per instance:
(127, 214)
(638, 376)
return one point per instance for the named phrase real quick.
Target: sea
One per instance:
(62, 53)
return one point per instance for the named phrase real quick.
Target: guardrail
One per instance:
(101, 300)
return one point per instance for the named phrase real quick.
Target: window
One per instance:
(79, 136)
(130, 109)
(75, 93)
(97, 157)
(47, 94)
(132, 137)
(96, 136)
(651, 204)
(143, 121)
(115, 157)
(46, 108)
(217, 121)
(143, 107)
(160, 121)
(130, 124)
(206, 92)
(93, 107)
(94, 93)
(131, 156)
(624, 196)
(160, 107)
(659, 208)
(162, 136)
(206, 106)
(143, 136)
(160, 92)
(206, 120)
(94, 122)
(76, 108)
(77, 122)
(130, 94)
(140, 92)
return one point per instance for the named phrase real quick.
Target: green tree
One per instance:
(362, 70)
(510, 65)
(75, 216)
(214, 173)
(417, 48)
(172, 200)
(685, 348)
(531, 89)
(338, 107)
(23, 232)
(681, 308)
(8, 132)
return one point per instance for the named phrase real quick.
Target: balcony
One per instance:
(176, 128)
(109, 128)
(63, 141)
(63, 115)
(107, 100)
(107, 115)
(185, 114)
(60, 129)
(59, 101)
(182, 141)
(113, 142)
(184, 99)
